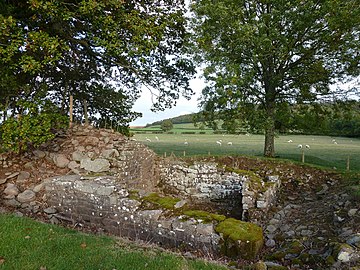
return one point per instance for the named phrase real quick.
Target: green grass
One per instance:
(28, 244)
(323, 152)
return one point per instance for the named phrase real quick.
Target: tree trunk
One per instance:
(86, 112)
(71, 111)
(269, 147)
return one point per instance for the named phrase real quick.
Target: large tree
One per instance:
(93, 50)
(261, 55)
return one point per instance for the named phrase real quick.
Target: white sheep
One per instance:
(307, 146)
(300, 146)
(186, 143)
(290, 141)
(156, 138)
(230, 143)
(148, 139)
(219, 143)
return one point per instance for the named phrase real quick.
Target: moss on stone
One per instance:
(163, 202)
(134, 195)
(241, 239)
(204, 216)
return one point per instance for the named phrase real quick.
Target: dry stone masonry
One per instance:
(107, 180)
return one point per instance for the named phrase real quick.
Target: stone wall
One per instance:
(104, 202)
(239, 194)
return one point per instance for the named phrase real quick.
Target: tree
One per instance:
(167, 125)
(261, 54)
(91, 49)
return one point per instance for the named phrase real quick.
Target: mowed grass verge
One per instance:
(28, 244)
(324, 151)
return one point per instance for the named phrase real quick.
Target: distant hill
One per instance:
(182, 119)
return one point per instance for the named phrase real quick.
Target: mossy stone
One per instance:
(206, 217)
(240, 239)
(163, 202)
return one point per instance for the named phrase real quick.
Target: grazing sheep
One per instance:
(186, 143)
(148, 139)
(157, 138)
(307, 146)
(335, 143)
(300, 146)
(230, 143)
(290, 141)
(219, 143)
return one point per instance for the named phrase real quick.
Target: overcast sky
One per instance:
(143, 105)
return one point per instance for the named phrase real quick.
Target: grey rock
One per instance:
(12, 175)
(306, 232)
(38, 187)
(270, 243)
(180, 204)
(54, 220)
(12, 203)
(60, 160)
(98, 165)
(78, 156)
(110, 153)
(39, 154)
(29, 165)
(205, 229)
(26, 196)
(22, 176)
(354, 240)
(271, 228)
(50, 210)
(352, 212)
(73, 165)
(11, 189)
(3, 181)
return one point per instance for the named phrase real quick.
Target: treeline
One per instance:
(334, 119)
(182, 119)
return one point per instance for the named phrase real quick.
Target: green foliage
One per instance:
(166, 125)
(32, 128)
(100, 52)
(262, 56)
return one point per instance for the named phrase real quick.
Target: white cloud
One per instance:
(184, 106)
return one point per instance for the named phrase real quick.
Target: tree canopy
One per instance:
(101, 52)
(262, 55)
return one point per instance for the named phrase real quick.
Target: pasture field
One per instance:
(330, 152)
(178, 128)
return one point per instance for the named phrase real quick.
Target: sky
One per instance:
(184, 106)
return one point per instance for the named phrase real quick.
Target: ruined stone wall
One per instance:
(105, 203)
(205, 182)
(241, 195)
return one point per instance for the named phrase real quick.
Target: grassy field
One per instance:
(27, 245)
(324, 150)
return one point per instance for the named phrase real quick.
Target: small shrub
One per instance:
(31, 129)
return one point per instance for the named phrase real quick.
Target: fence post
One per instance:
(302, 155)
(348, 163)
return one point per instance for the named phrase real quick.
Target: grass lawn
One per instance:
(28, 244)
(323, 150)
